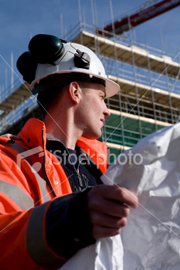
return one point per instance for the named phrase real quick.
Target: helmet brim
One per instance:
(111, 87)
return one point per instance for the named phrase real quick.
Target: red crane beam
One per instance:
(127, 23)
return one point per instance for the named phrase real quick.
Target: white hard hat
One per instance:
(69, 58)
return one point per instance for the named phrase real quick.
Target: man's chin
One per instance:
(92, 136)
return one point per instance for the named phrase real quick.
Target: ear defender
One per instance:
(26, 64)
(43, 49)
(46, 49)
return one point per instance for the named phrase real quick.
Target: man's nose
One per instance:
(106, 111)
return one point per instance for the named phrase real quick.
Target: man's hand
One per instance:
(108, 209)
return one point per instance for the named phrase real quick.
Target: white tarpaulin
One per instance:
(151, 239)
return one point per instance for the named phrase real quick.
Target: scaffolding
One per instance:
(149, 98)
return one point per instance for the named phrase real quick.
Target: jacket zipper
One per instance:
(79, 178)
(44, 170)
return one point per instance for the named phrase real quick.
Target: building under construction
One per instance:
(149, 98)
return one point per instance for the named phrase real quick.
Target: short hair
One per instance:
(46, 99)
(49, 90)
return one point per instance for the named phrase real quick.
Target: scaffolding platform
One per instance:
(133, 55)
(15, 99)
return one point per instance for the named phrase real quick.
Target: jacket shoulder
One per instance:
(96, 150)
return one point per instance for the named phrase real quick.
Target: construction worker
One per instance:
(53, 202)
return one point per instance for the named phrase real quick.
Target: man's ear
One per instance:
(74, 92)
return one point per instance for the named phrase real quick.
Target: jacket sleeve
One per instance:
(34, 237)
(67, 224)
(22, 226)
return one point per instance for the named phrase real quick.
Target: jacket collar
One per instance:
(33, 133)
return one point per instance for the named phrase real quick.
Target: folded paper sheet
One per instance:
(151, 239)
(106, 254)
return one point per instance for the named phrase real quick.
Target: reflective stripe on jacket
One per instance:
(30, 177)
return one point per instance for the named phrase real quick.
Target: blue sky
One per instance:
(22, 19)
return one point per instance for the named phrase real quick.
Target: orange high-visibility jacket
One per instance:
(30, 177)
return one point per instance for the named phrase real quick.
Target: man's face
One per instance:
(93, 110)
